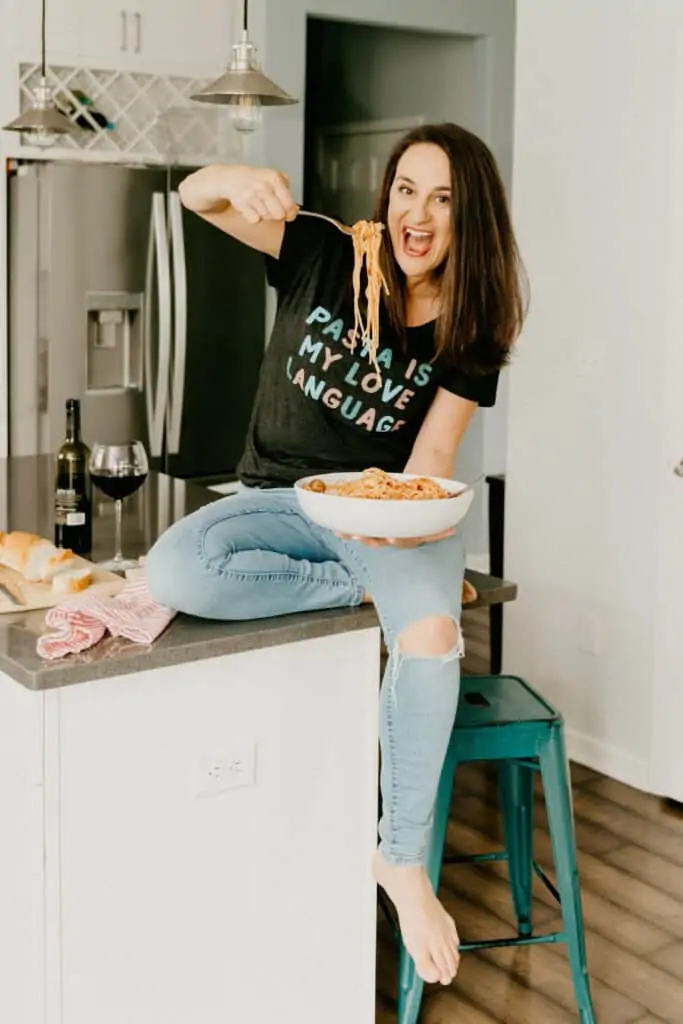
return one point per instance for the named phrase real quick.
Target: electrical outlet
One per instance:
(224, 772)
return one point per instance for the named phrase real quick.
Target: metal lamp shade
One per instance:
(42, 120)
(244, 80)
(253, 83)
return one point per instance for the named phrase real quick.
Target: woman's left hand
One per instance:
(397, 542)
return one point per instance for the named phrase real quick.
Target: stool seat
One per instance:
(503, 719)
(499, 700)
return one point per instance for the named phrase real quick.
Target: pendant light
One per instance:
(42, 124)
(244, 88)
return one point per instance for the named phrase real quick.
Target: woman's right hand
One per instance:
(259, 194)
(256, 193)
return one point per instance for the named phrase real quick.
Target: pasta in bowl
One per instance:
(386, 505)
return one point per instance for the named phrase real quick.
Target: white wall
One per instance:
(593, 177)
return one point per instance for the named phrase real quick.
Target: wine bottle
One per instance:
(81, 110)
(73, 489)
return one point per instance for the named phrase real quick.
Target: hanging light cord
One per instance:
(246, 15)
(42, 40)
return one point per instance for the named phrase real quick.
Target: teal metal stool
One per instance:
(500, 718)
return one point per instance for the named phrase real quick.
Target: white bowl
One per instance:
(375, 517)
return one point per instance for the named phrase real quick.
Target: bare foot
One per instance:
(428, 931)
(366, 598)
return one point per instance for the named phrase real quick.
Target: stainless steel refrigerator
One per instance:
(120, 297)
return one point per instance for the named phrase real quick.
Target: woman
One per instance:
(453, 311)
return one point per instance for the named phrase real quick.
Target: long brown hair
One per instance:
(482, 280)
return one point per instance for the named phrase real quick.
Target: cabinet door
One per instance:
(191, 34)
(21, 29)
(106, 33)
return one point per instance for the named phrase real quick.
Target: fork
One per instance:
(469, 487)
(323, 216)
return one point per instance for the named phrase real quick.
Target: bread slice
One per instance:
(34, 557)
(15, 549)
(45, 560)
(71, 581)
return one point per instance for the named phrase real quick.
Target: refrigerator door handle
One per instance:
(156, 385)
(177, 393)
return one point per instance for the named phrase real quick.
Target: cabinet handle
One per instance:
(124, 31)
(138, 32)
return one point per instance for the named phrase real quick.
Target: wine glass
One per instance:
(118, 470)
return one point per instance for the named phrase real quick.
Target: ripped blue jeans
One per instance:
(255, 555)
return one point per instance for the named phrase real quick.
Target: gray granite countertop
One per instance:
(26, 503)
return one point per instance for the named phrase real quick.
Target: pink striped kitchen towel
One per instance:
(82, 621)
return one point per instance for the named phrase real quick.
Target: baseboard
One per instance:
(611, 761)
(479, 562)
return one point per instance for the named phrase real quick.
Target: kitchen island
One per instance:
(187, 827)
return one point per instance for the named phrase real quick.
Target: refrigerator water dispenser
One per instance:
(115, 340)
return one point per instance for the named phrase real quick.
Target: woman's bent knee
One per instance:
(181, 576)
(434, 637)
(164, 569)
(175, 574)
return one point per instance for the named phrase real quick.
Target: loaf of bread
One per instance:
(36, 558)
(71, 581)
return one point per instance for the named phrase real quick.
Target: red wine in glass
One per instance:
(118, 487)
(118, 470)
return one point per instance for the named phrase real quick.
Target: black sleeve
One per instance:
(476, 389)
(306, 241)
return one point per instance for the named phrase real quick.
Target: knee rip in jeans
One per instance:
(435, 638)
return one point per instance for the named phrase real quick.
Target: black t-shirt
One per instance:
(321, 406)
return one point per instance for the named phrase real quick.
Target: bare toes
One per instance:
(440, 958)
(446, 963)
(427, 970)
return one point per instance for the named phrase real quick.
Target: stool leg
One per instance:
(557, 788)
(410, 987)
(410, 984)
(442, 811)
(516, 782)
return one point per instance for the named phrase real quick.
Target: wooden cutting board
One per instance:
(41, 595)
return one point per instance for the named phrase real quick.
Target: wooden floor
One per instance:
(631, 865)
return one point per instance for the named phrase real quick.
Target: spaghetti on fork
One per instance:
(367, 247)
(366, 236)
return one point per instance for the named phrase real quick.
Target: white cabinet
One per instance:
(192, 33)
(132, 892)
(144, 35)
(153, 35)
(20, 20)
(106, 33)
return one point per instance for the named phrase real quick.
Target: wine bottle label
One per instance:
(70, 507)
